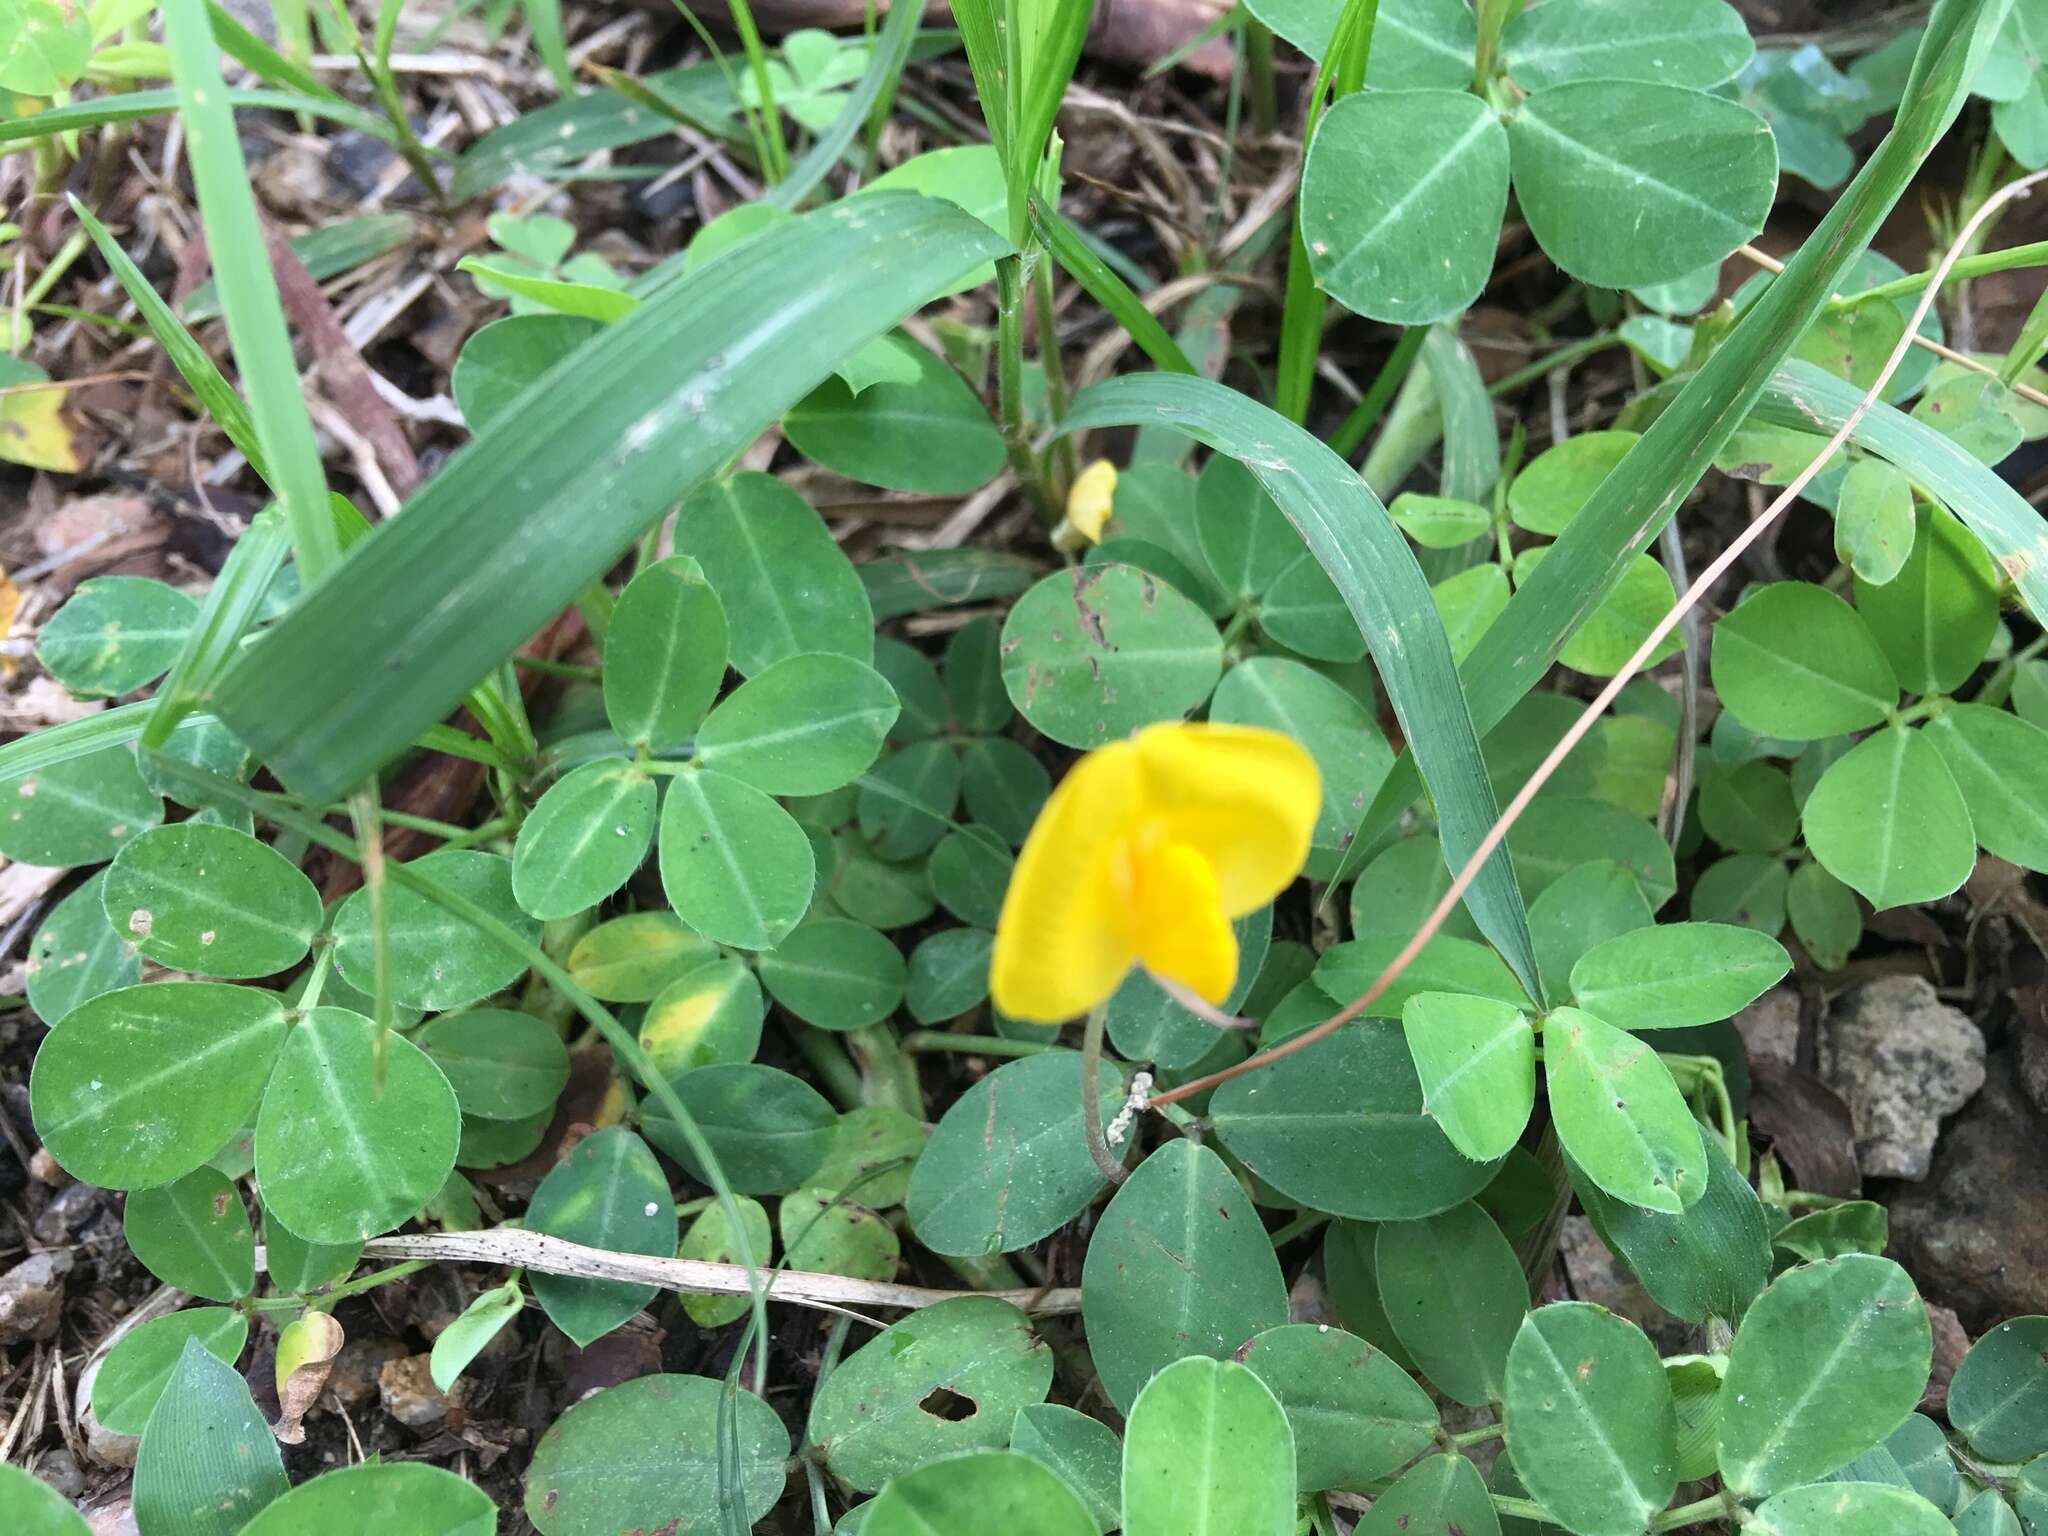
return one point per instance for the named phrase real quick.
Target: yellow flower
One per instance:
(1090, 498)
(1142, 856)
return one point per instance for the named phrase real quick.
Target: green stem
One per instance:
(887, 1076)
(1301, 331)
(1527, 1509)
(1479, 1436)
(1010, 387)
(1366, 414)
(1700, 1510)
(1056, 395)
(757, 60)
(919, 1041)
(1301, 1226)
(349, 1288)
(1998, 686)
(829, 1060)
(1563, 357)
(569, 669)
(1258, 81)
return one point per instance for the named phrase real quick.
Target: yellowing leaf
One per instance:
(33, 431)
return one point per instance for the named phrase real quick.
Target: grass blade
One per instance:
(1471, 439)
(131, 105)
(255, 316)
(545, 498)
(230, 608)
(885, 68)
(1106, 288)
(1353, 539)
(263, 61)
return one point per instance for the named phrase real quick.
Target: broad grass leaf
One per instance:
(502, 1064)
(194, 1234)
(1084, 1451)
(1829, 1361)
(769, 557)
(81, 810)
(138, 1368)
(1461, 1348)
(1935, 619)
(1888, 820)
(736, 868)
(1820, 1509)
(1678, 177)
(1090, 655)
(1008, 1163)
(665, 655)
(1339, 1126)
(583, 839)
(706, 1016)
(1749, 808)
(609, 1192)
(1580, 910)
(437, 960)
(1208, 1452)
(1710, 1259)
(835, 974)
(1796, 662)
(647, 1453)
(1179, 1265)
(1591, 1419)
(1401, 202)
(997, 1490)
(78, 954)
(948, 974)
(1357, 1417)
(1438, 1496)
(1476, 1060)
(144, 1084)
(2000, 763)
(881, 1414)
(1999, 1397)
(1677, 975)
(207, 1462)
(1551, 488)
(631, 959)
(115, 635)
(1620, 1115)
(932, 435)
(212, 901)
(409, 1496)
(1680, 42)
(349, 1143)
(768, 1130)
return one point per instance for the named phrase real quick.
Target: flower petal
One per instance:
(1064, 939)
(1246, 799)
(1181, 930)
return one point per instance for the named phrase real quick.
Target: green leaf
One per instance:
(666, 652)
(948, 974)
(1373, 569)
(871, 890)
(1091, 654)
(409, 1496)
(1589, 1414)
(1820, 1508)
(1824, 914)
(1551, 488)
(1339, 733)
(919, 693)
(835, 974)
(1683, 42)
(1855, 1226)
(974, 675)
(79, 810)
(1008, 1163)
(1620, 1115)
(356, 1133)
(1680, 178)
(507, 357)
(44, 48)
(710, 1237)
(609, 1192)
(1146, 1024)
(212, 901)
(144, 1084)
(115, 635)
(1444, 965)
(970, 870)
(907, 801)
(78, 954)
(465, 1338)
(138, 1368)
(1621, 623)
(801, 726)
(872, 1153)
(1381, 165)
(646, 409)
(1828, 1362)
(194, 1234)
(735, 866)
(997, 1489)
(1003, 786)
(1677, 975)
(1999, 1397)
(931, 435)
(1476, 1060)
(1178, 1265)
(1749, 808)
(632, 958)
(2000, 763)
(1340, 1127)
(207, 1462)
(1579, 911)
(1085, 1452)
(651, 1451)
(1439, 522)
(583, 301)
(1745, 889)
(1796, 662)
(583, 839)
(1401, 887)
(1986, 1515)
(1438, 1496)
(1468, 603)
(1935, 619)
(823, 1233)
(870, 1421)
(297, 1265)
(1208, 1452)
(1889, 820)
(768, 1130)
(437, 960)
(502, 1064)
(1558, 834)
(1458, 1253)
(708, 1015)
(1711, 1259)
(1357, 1417)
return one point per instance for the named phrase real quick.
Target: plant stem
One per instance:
(1091, 1098)
(829, 1060)
(349, 1288)
(887, 1076)
(2033, 255)
(1010, 386)
(1700, 1510)
(1563, 357)
(1366, 414)
(1479, 1436)
(921, 1040)
(1527, 1509)
(1258, 77)
(1305, 1223)
(1056, 396)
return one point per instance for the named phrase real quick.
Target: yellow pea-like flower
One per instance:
(1142, 856)
(1091, 499)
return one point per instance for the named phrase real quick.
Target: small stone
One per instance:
(1770, 1027)
(32, 1297)
(71, 1208)
(107, 1448)
(1951, 1343)
(410, 1396)
(44, 1170)
(1597, 1275)
(115, 1518)
(2033, 1033)
(60, 1470)
(356, 1369)
(1901, 1059)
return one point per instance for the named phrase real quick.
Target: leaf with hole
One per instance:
(194, 1234)
(115, 635)
(138, 1368)
(1619, 1114)
(212, 901)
